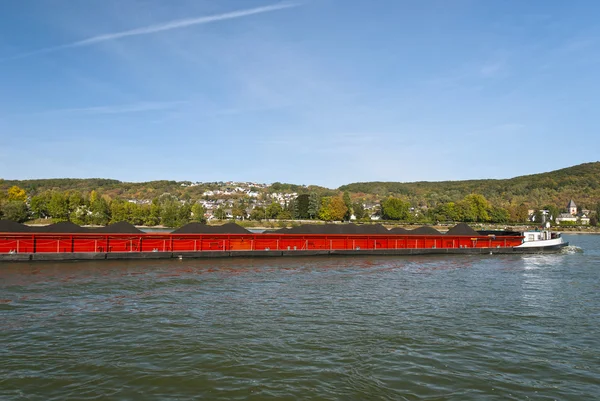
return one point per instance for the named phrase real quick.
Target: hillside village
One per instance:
(220, 201)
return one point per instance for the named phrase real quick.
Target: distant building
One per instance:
(572, 207)
(572, 216)
(566, 217)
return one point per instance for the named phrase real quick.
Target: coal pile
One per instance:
(192, 228)
(373, 229)
(462, 229)
(199, 228)
(64, 227)
(425, 230)
(230, 228)
(9, 226)
(327, 229)
(398, 231)
(121, 227)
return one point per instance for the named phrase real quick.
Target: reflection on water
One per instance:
(460, 327)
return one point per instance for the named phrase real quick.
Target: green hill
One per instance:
(580, 183)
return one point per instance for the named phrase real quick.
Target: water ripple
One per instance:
(428, 328)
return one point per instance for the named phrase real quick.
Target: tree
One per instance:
(499, 215)
(169, 213)
(183, 214)
(239, 210)
(476, 207)
(359, 210)
(15, 210)
(302, 202)
(58, 207)
(273, 210)
(332, 208)
(39, 205)
(519, 214)
(395, 209)
(285, 214)
(99, 210)
(348, 203)
(220, 213)
(118, 211)
(78, 210)
(153, 218)
(140, 214)
(291, 210)
(198, 212)
(446, 212)
(17, 194)
(314, 204)
(258, 213)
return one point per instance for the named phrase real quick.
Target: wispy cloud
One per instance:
(138, 107)
(166, 26)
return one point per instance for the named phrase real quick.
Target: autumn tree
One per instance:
(16, 194)
(332, 208)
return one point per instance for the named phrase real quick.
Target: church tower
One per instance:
(572, 207)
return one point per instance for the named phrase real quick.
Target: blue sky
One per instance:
(310, 92)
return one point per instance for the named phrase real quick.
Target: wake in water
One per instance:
(569, 249)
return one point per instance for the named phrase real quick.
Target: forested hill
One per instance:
(581, 183)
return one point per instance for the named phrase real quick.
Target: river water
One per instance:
(382, 328)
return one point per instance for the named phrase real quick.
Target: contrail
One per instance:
(166, 26)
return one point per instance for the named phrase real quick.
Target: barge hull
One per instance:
(83, 256)
(65, 247)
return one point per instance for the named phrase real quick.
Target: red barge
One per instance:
(27, 246)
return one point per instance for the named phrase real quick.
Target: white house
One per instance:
(566, 217)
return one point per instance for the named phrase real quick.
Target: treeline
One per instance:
(93, 209)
